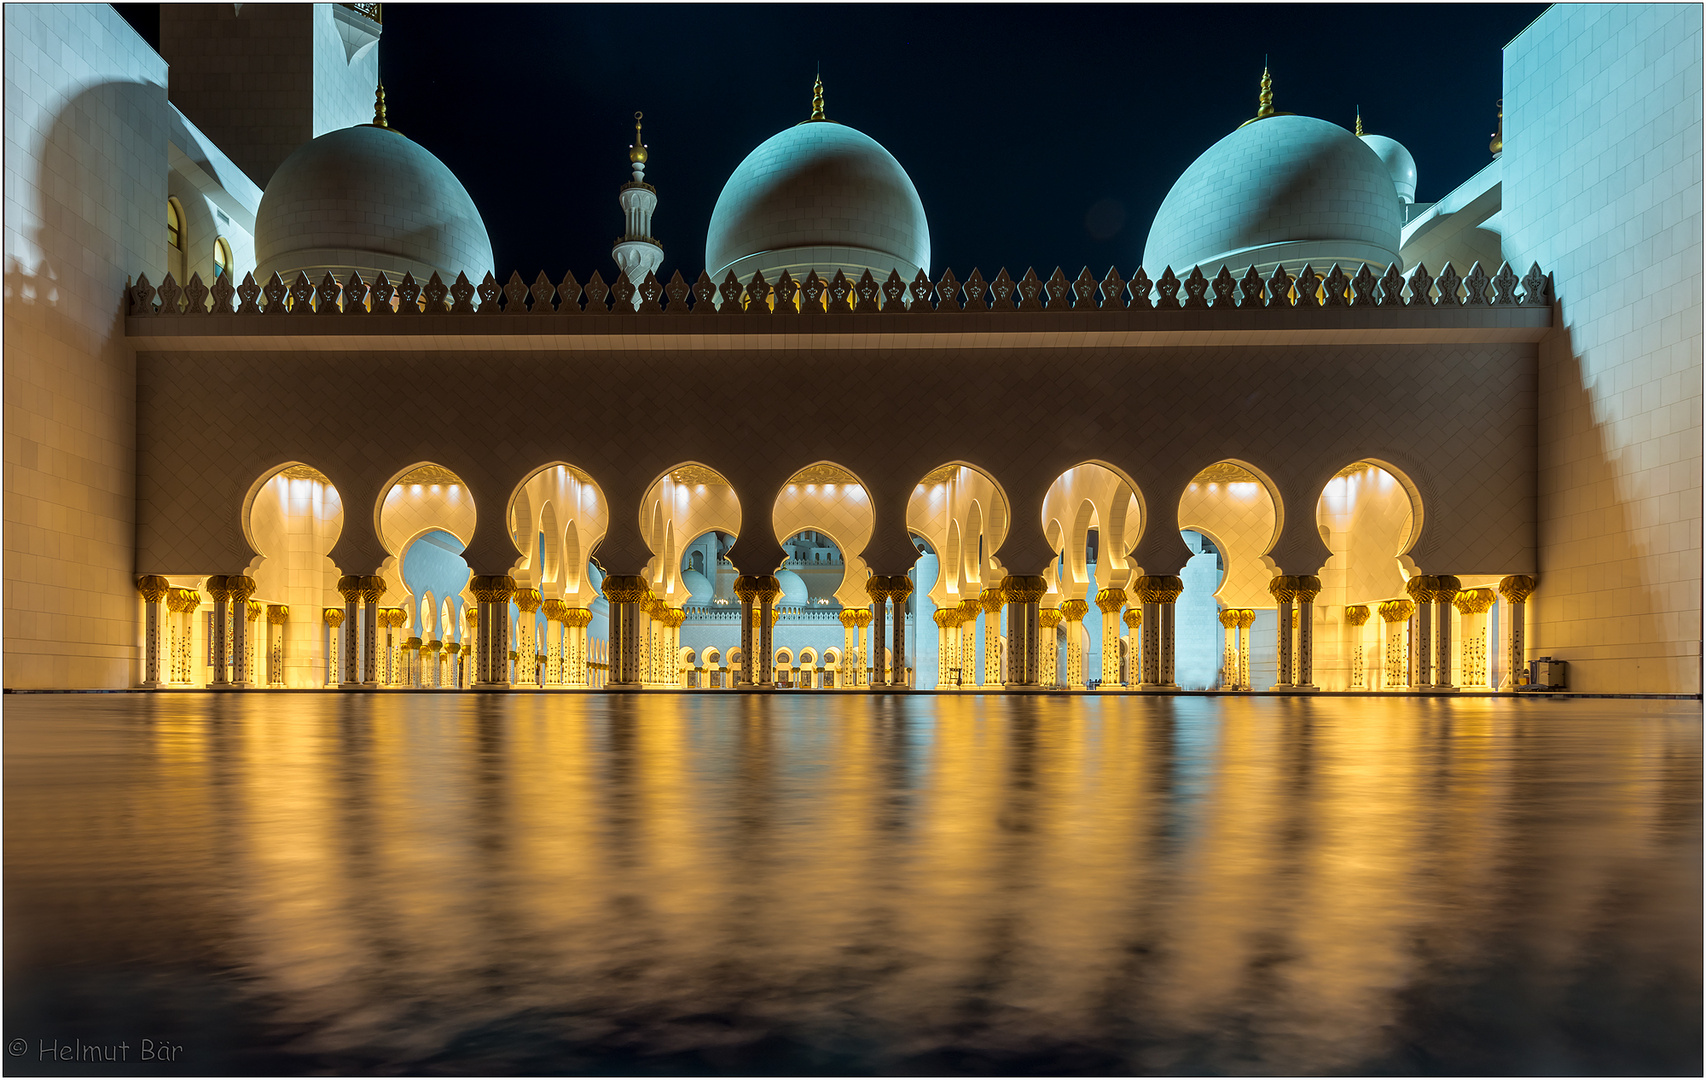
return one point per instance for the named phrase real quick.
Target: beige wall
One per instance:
(86, 172)
(1602, 186)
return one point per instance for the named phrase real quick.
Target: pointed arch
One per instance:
(562, 502)
(685, 502)
(829, 498)
(947, 496)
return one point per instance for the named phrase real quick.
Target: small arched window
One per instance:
(174, 225)
(221, 258)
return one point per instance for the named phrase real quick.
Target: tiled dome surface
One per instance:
(1286, 188)
(823, 195)
(366, 198)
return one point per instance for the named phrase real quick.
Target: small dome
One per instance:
(794, 593)
(698, 586)
(818, 196)
(1398, 162)
(1289, 189)
(366, 198)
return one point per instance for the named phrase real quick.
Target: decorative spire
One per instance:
(817, 99)
(1266, 99)
(1359, 122)
(1497, 146)
(379, 106)
(637, 152)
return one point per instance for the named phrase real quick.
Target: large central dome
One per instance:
(818, 196)
(367, 198)
(1283, 188)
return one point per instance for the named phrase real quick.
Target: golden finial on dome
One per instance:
(379, 106)
(1497, 146)
(637, 152)
(817, 99)
(1266, 99)
(1359, 122)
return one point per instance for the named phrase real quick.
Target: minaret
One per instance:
(637, 253)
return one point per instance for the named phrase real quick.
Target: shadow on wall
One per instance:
(64, 327)
(1596, 567)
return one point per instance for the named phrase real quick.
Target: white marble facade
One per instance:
(1565, 444)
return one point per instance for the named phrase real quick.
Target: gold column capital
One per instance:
(334, 616)
(1133, 617)
(1049, 617)
(1159, 588)
(1396, 611)
(349, 587)
(1283, 588)
(492, 589)
(1024, 588)
(1517, 588)
(1473, 601)
(555, 610)
(278, 614)
(1308, 588)
(1246, 618)
(372, 588)
(991, 600)
(863, 617)
(969, 609)
(1074, 610)
(850, 617)
(217, 587)
(1420, 588)
(946, 617)
(527, 600)
(153, 587)
(1110, 600)
(1229, 618)
(1356, 614)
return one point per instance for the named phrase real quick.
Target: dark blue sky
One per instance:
(1037, 134)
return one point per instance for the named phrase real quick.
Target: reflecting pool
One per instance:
(823, 883)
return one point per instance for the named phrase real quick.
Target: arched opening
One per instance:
(959, 517)
(175, 260)
(293, 516)
(223, 266)
(1093, 517)
(1370, 517)
(1231, 507)
(682, 505)
(829, 505)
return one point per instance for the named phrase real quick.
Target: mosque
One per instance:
(276, 419)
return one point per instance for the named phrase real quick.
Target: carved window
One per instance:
(221, 258)
(174, 225)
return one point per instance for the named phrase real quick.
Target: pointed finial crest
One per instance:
(1359, 122)
(637, 152)
(1266, 99)
(379, 107)
(1497, 146)
(817, 99)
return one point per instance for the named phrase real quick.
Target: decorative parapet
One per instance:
(838, 296)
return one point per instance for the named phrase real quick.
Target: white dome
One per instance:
(794, 592)
(1289, 189)
(818, 196)
(698, 586)
(1399, 163)
(366, 198)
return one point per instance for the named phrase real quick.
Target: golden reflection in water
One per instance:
(906, 882)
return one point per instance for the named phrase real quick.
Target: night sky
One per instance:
(1037, 135)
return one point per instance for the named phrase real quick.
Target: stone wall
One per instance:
(1602, 184)
(86, 131)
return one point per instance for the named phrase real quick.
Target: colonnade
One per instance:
(365, 647)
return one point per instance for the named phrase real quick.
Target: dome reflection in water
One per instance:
(810, 882)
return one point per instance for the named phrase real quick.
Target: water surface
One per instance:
(825, 883)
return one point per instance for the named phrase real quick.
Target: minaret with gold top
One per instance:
(637, 252)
